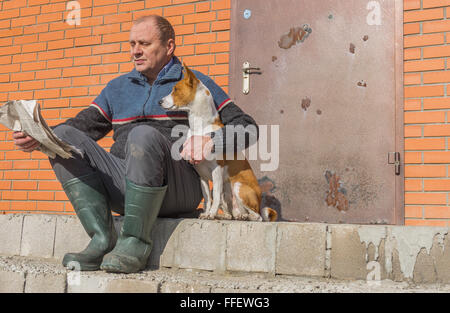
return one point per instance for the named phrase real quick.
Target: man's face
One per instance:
(149, 54)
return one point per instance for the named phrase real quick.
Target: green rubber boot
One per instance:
(134, 245)
(87, 195)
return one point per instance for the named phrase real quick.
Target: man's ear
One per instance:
(170, 46)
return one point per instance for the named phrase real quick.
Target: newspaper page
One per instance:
(25, 116)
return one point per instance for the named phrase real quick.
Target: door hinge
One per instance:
(394, 158)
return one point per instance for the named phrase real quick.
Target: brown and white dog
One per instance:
(235, 187)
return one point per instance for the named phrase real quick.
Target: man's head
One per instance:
(152, 44)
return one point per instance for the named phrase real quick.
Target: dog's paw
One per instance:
(224, 216)
(241, 217)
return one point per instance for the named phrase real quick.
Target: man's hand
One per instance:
(197, 149)
(24, 142)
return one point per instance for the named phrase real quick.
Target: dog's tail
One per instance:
(269, 214)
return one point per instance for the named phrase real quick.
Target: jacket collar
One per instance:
(171, 72)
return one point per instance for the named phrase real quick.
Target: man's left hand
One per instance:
(197, 148)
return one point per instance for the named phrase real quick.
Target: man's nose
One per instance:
(136, 50)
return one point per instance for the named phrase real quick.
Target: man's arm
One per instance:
(91, 122)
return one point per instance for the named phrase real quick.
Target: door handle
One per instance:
(246, 71)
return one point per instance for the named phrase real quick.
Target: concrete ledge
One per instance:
(29, 275)
(364, 252)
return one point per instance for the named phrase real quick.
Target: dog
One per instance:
(235, 187)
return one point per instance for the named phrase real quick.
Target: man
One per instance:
(138, 178)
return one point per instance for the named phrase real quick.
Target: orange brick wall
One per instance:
(427, 114)
(65, 67)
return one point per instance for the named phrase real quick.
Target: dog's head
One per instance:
(186, 94)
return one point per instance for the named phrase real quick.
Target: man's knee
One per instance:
(144, 140)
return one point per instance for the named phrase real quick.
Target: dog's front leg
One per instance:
(206, 196)
(217, 179)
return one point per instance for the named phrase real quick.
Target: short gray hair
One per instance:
(165, 29)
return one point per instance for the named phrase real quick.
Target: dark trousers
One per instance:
(148, 162)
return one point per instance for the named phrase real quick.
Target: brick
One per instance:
(423, 15)
(179, 10)
(436, 157)
(425, 170)
(200, 17)
(435, 26)
(434, 3)
(425, 144)
(413, 131)
(413, 222)
(436, 77)
(424, 65)
(436, 103)
(436, 130)
(436, 52)
(413, 211)
(411, 28)
(425, 198)
(412, 104)
(409, 79)
(436, 185)
(437, 212)
(424, 91)
(424, 117)
(423, 40)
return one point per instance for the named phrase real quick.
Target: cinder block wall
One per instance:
(427, 128)
(65, 66)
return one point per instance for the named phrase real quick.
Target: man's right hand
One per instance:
(24, 142)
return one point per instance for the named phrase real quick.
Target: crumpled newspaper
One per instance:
(25, 116)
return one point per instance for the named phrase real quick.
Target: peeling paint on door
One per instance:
(336, 196)
(306, 102)
(295, 35)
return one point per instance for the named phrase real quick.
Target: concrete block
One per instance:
(414, 245)
(45, 283)
(172, 287)
(164, 242)
(348, 253)
(301, 249)
(441, 256)
(251, 246)
(38, 235)
(12, 282)
(11, 232)
(131, 286)
(81, 282)
(201, 245)
(70, 236)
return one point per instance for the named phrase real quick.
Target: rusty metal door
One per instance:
(328, 74)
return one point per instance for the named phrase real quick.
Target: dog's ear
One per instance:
(189, 75)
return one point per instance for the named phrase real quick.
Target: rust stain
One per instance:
(336, 196)
(274, 58)
(352, 48)
(306, 102)
(295, 35)
(319, 112)
(362, 83)
(366, 37)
